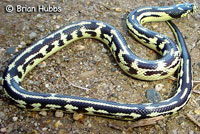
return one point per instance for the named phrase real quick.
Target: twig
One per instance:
(146, 122)
(194, 89)
(193, 120)
(71, 84)
(196, 81)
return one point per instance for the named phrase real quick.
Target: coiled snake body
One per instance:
(173, 57)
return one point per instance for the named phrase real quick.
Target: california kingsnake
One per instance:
(173, 56)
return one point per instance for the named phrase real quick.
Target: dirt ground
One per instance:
(89, 64)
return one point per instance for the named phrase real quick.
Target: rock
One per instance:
(59, 17)
(114, 95)
(15, 119)
(159, 87)
(191, 132)
(113, 69)
(32, 35)
(54, 17)
(43, 64)
(80, 47)
(118, 9)
(3, 130)
(104, 50)
(44, 113)
(59, 113)
(119, 88)
(22, 45)
(36, 83)
(153, 96)
(89, 125)
(38, 16)
(11, 50)
(77, 116)
(97, 58)
(41, 28)
(2, 115)
(44, 129)
(198, 64)
(145, 85)
(197, 111)
(58, 124)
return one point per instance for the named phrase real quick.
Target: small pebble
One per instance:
(15, 119)
(97, 58)
(42, 29)
(59, 17)
(56, 27)
(80, 47)
(198, 64)
(43, 64)
(58, 123)
(114, 95)
(3, 130)
(2, 50)
(113, 69)
(22, 44)
(119, 88)
(197, 111)
(35, 124)
(159, 87)
(59, 114)
(38, 16)
(36, 83)
(32, 35)
(44, 113)
(118, 9)
(11, 50)
(44, 129)
(191, 132)
(47, 85)
(58, 61)
(54, 17)
(2, 115)
(77, 116)
(155, 26)
(153, 96)
(89, 125)
(104, 50)
(145, 85)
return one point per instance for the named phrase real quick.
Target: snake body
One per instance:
(174, 57)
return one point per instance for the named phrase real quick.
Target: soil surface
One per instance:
(89, 64)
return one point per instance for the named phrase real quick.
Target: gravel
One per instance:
(22, 29)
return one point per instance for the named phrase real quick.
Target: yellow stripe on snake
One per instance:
(173, 57)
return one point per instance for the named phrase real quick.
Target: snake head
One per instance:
(188, 8)
(182, 10)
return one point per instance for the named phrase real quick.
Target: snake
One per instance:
(175, 58)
